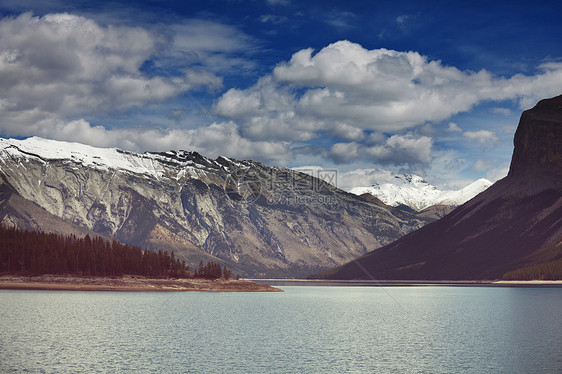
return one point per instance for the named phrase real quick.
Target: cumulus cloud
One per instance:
(69, 65)
(453, 127)
(60, 68)
(203, 139)
(482, 136)
(376, 90)
(60, 73)
(397, 149)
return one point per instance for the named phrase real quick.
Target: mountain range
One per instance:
(414, 191)
(265, 221)
(260, 221)
(513, 227)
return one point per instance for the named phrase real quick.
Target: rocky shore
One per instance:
(129, 283)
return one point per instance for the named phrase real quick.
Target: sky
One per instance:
(367, 88)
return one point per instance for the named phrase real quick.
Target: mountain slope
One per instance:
(262, 221)
(500, 230)
(415, 192)
(26, 215)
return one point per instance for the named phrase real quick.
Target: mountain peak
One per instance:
(410, 179)
(538, 139)
(414, 191)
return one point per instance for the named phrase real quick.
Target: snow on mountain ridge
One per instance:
(148, 163)
(415, 192)
(100, 158)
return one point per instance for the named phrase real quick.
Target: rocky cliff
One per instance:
(514, 223)
(262, 221)
(538, 140)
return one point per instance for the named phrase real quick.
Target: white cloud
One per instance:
(202, 139)
(482, 136)
(493, 171)
(345, 152)
(65, 64)
(481, 165)
(68, 65)
(363, 177)
(509, 129)
(453, 127)
(497, 173)
(60, 68)
(397, 149)
(59, 71)
(346, 180)
(445, 169)
(346, 131)
(377, 90)
(218, 47)
(197, 36)
(503, 111)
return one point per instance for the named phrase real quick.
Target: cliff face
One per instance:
(497, 231)
(538, 140)
(261, 221)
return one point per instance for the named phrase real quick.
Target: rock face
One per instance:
(538, 140)
(500, 230)
(261, 221)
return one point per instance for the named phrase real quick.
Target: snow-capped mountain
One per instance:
(261, 221)
(415, 192)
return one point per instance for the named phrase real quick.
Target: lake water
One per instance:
(303, 330)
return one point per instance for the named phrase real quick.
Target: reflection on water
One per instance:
(305, 329)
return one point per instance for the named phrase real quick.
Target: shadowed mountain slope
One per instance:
(504, 228)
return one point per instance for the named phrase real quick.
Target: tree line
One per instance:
(551, 270)
(545, 264)
(36, 253)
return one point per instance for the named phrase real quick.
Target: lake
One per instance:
(303, 330)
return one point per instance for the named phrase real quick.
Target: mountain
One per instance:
(514, 226)
(261, 221)
(415, 192)
(26, 215)
(433, 212)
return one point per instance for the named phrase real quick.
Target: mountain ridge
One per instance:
(261, 221)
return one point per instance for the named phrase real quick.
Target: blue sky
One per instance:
(368, 88)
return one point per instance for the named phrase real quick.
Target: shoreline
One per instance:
(129, 284)
(408, 283)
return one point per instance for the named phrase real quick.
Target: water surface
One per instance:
(305, 329)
